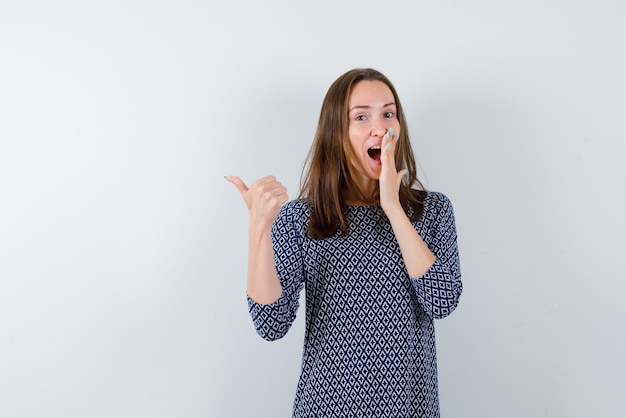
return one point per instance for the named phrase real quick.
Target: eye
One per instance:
(389, 115)
(360, 117)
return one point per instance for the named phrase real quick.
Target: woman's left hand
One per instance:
(390, 178)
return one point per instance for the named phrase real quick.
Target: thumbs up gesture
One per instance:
(263, 199)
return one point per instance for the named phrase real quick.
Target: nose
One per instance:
(379, 128)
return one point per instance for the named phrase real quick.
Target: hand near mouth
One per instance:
(390, 178)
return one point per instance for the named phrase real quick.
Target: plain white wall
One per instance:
(123, 250)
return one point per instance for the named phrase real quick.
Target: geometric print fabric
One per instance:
(369, 348)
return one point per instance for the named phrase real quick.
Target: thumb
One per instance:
(239, 184)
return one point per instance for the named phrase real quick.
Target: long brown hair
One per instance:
(328, 173)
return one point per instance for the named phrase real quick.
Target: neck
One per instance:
(359, 198)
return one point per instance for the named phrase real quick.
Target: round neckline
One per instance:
(364, 207)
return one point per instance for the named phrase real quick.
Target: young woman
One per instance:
(377, 255)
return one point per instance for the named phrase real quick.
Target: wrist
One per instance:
(395, 211)
(258, 228)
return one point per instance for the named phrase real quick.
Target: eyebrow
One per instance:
(369, 107)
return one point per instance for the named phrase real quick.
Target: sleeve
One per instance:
(439, 289)
(272, 321)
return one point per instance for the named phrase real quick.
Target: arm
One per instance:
(274, 260)
(263, 285)
(272, 321)
(417, 257)
(433, 268)
(263, 199)
(439, 288)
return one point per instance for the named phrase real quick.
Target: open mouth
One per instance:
(374, 153)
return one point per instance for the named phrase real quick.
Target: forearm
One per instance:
(263, 284)
(416, 255)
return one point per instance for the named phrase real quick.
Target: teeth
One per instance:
(375, 147)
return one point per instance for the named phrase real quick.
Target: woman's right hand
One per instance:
(263, 199)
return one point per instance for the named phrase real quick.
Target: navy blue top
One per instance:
(369, 348)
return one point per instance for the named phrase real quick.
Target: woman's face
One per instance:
(372, 112)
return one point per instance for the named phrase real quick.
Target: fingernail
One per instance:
(227, 179)
(390, 131)
(388, 145)
(397, 137)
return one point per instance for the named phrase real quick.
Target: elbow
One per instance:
(271, 334)
(271, 326)
(441, 313)
(272, 322)
(443, 307)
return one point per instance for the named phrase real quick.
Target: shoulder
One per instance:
(436, 200)
(296, 207)
(436, 206)
(295, 212)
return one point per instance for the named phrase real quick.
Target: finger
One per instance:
(265, 180)
(275, 188)
(241, 186)
(282, 197)
(388, 148)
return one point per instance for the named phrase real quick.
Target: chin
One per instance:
(374, 175)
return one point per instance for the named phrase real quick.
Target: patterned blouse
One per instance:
(369, 348)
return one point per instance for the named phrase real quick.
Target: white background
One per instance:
(123, 249)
